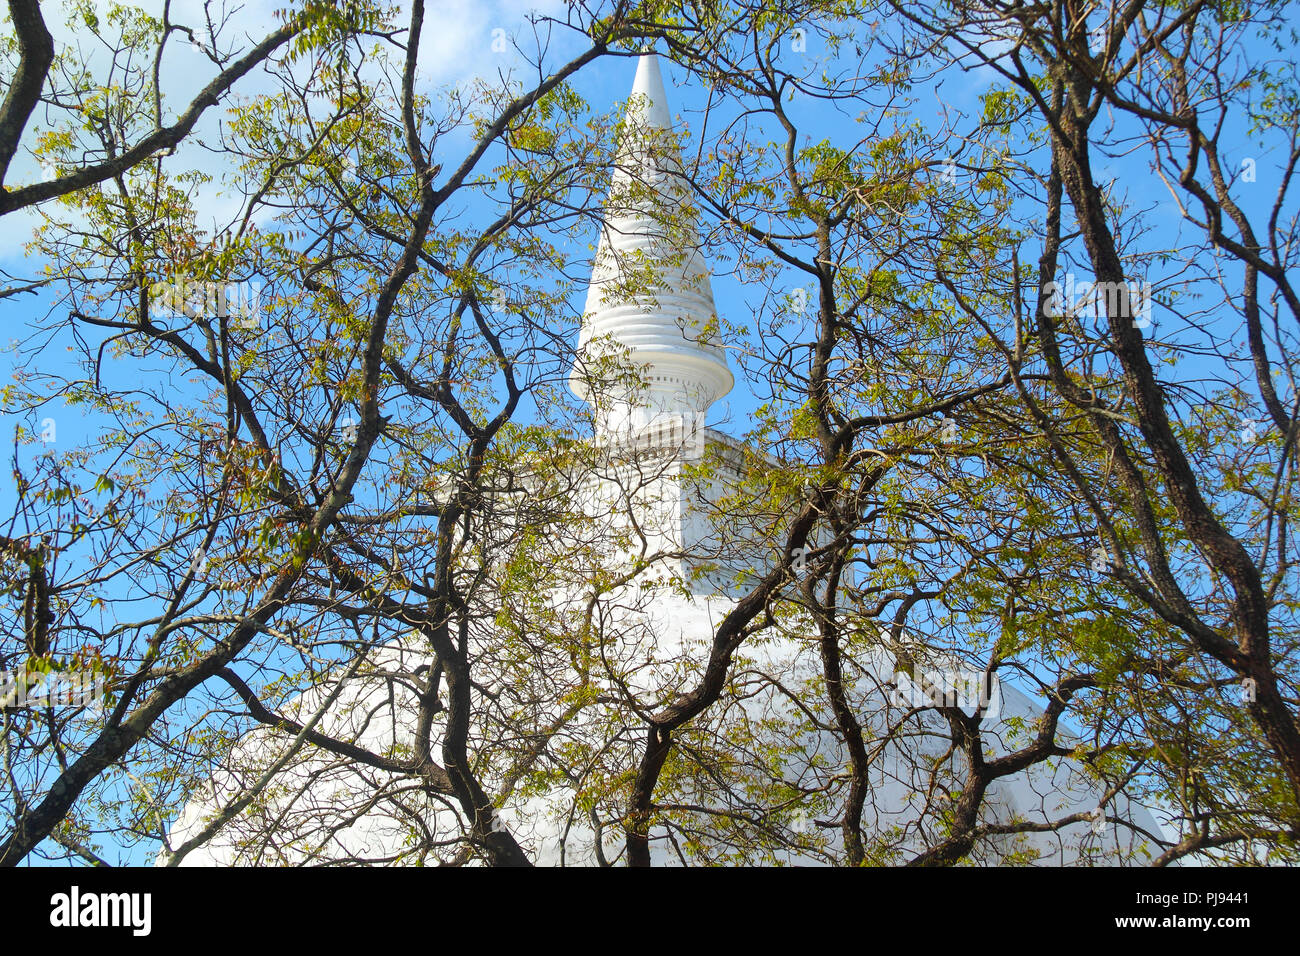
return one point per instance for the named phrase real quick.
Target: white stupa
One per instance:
(650, 298)
(557, 752)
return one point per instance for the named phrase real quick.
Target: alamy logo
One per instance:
(1100, 300)
(36, 688)
(682, 432)
(969, 690)
(241, 302)
(76, 909)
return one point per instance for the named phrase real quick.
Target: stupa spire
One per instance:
(650, 298)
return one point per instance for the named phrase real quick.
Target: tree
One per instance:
(338, 529)
(897, 417)
(223, 509)
(1192, 532)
